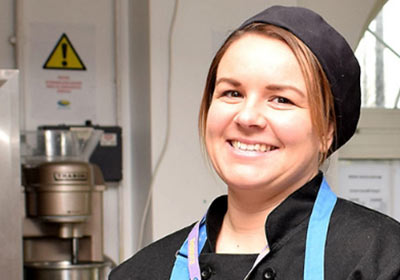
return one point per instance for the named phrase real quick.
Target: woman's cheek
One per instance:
(291, 126)
(218, 117)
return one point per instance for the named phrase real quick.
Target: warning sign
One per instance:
(64, 56)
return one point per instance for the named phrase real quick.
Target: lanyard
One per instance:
(187, 266)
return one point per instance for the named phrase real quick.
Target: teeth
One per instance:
(252, 147)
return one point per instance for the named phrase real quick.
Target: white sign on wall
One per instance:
(62, 73)
(372, 183)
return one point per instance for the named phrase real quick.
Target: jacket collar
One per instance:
(283, 222)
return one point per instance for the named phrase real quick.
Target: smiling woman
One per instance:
(282, 93)
(270, 109)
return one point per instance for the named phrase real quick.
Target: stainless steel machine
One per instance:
(10, 184)
(63, 223)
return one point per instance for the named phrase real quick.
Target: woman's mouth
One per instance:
(258, 147)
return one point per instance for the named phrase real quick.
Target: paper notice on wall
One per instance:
(369, 183)
(61, 79)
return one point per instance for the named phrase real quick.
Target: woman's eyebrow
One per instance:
(275, 87)
(229, 81)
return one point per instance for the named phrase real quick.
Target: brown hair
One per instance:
(320, 97)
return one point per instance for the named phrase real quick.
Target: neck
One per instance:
(243, 228)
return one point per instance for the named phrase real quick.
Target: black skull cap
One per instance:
(333, 53)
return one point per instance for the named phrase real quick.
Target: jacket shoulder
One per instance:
(357, 218)
(154, 261)
(362, 242)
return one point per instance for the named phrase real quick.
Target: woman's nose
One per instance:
(251, 115)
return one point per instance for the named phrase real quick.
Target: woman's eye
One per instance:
(282, 100)
(232, 93)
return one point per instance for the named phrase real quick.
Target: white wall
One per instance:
(133, 87)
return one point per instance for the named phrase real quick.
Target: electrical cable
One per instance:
(168, 122)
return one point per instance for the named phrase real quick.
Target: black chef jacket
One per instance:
(361, 244)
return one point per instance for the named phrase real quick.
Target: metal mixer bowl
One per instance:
(59, 191)
(66, 271)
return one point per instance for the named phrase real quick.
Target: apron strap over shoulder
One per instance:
(317, 232)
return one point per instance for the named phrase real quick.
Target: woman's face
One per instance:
(258, 131)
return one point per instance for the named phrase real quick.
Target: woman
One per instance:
(282, 94)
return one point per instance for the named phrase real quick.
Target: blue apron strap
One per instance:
(180, 270)
(317, 232)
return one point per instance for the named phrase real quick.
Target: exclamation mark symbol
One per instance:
(64, 53)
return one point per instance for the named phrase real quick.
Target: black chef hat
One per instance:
(334, 54)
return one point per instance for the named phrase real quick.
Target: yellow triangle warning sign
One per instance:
(64, 56)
